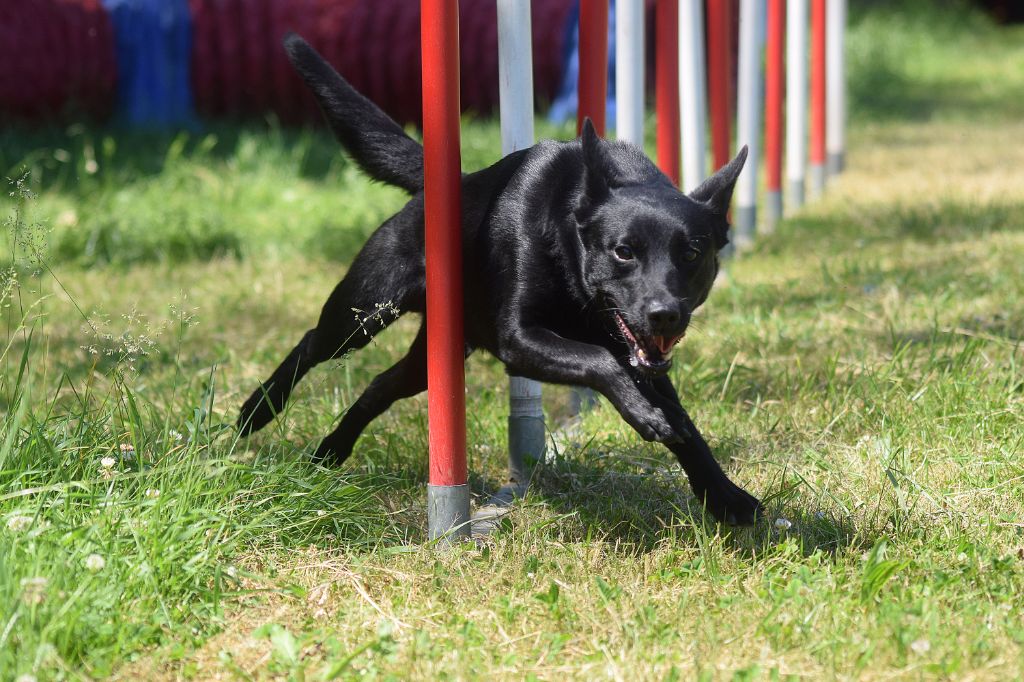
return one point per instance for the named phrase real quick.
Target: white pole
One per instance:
(748, 119)
(692, 93)
(526, 436)
(629, 71)
(835, 86)
(796, 100)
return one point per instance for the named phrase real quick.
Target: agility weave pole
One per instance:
(448, 490)
(527, 438)
(816, 172)
(835, 87)
(775, 44)
(748, 121)
(692, 93)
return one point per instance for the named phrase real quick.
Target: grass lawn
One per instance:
(860, 370)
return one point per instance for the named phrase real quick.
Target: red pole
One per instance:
(593, 82)
(666, 75)
(719, 23)
(774, 89)
(817, 92)
(446, 394)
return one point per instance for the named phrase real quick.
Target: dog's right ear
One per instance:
(597, 168)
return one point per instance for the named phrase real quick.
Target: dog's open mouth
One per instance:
(652, 353)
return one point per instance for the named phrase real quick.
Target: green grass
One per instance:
(860, 370)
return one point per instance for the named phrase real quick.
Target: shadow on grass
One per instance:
(639, 512)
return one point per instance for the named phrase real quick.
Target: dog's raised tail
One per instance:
(375, 141)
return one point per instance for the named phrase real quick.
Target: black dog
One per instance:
(582, 266)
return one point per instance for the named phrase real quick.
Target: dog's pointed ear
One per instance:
(716, 191)
(597, 166)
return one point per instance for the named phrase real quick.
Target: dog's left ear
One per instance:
(716, 191)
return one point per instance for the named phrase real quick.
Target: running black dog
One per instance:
(582, 266)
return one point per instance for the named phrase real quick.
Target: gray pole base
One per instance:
(772, 210)
(527, 441)
(796, 193)
(448, 513)
(745, 220)
(836, 163)
(817, 179)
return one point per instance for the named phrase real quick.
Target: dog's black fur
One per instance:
(582, 266)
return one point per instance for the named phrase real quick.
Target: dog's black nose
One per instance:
(663, 318)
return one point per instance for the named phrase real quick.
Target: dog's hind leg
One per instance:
(382, 284)
(269, 399)
(404, 379)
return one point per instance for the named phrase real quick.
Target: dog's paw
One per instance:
(729, 503)
(653, 426)
(256, 413)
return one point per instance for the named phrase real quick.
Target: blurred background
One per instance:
(169, 130)
(175, 62)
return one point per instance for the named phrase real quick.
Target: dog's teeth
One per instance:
(633, 361)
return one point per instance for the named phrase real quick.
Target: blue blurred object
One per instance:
(565, 104)
(154, 47)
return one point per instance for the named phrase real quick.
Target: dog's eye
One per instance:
(690, 255)
(624, 253)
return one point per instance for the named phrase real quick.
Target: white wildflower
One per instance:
(33, 590)
(108, 462)
(321, 513)
(152, 493)
(95, 563)
(175, 435)
(19, 523)
(920, 646)
(783, 524)
(127, 449)
(25, 677)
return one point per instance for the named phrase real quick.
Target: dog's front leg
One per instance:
(541, 354)
(726, 501)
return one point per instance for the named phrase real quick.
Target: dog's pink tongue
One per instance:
(665, 343)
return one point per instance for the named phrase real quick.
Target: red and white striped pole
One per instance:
(773, 97)
(817, 167)
(720, 78)
(593, 82)
(666, 74)
(447, 491)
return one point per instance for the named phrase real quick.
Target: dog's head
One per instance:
(649, 253)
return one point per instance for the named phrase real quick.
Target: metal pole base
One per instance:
(836, 163)
(448, 513)
(817, 178)
(772, 210)
(795, 197)
(527, 439)
(745, 220)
